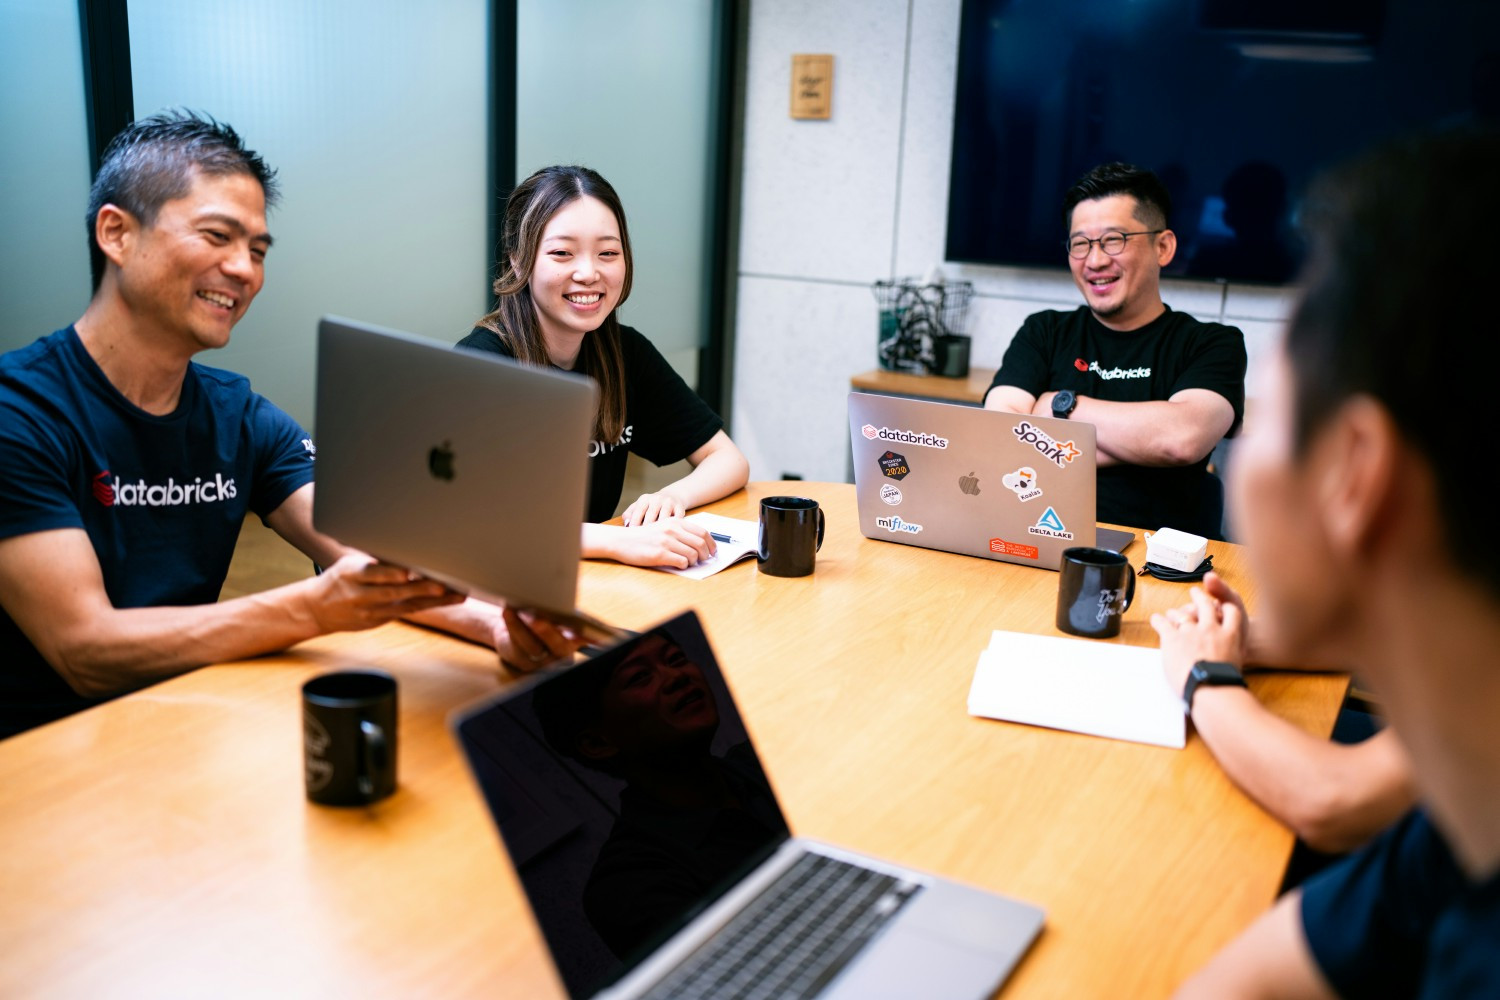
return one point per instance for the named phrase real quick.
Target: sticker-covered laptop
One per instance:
(657, 861)
(1011, 487)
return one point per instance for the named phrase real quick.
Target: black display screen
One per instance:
(1236, 104)
(628, 795)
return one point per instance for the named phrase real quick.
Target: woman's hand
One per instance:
(673, 542)
(652, 507)
(529, 640)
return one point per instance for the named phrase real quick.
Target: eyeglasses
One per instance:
(1111, 243)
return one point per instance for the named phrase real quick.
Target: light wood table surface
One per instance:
(952, 390)
(160, 845)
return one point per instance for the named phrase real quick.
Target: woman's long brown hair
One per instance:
(531, 206)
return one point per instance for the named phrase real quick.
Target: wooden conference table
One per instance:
(160, 845)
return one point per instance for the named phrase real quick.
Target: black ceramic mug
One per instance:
(1094, 588)
(791, 533)
(349, 737)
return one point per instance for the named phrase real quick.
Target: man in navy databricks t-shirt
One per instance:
(126, 469)
(1160, 387)
(1364, 496)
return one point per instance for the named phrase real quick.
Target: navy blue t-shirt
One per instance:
(161, 498)
(1400, 919)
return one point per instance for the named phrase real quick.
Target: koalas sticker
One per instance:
(1022, 483)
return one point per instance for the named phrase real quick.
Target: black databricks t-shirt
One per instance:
(665, 421)
(1072, 350)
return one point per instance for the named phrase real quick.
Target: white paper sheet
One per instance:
(744, 541)
(1080, 685)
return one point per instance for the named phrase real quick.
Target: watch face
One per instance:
(1062, 403)
(1213, 671)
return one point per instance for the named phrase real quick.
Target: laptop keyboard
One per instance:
(794, 937)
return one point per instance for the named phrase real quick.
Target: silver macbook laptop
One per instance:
(657, 861)
(1005, 486)
(462, 466)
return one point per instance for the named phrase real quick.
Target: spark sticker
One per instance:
(1059, 453)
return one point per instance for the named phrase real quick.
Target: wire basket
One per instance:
(921, 326)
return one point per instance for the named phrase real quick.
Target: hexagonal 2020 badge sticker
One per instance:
(894, 466)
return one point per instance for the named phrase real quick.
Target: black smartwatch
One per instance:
(1213, 673)
(1063, 403)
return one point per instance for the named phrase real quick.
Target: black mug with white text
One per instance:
(349, 737)
(1094, 588)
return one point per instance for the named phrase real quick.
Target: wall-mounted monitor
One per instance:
(1236, 104)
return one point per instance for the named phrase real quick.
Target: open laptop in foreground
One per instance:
(465, 467)
(657, 861)
(1012, 487)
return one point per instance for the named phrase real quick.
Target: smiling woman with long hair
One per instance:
(565, 269)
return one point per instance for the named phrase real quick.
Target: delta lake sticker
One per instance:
(1022, 483)
(893, 466)
(1049, 525)
(890, 494)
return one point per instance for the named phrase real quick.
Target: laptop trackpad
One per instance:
(908, 963)
(951, 941)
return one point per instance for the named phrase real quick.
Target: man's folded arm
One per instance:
(1009, 399)
(1164, 432)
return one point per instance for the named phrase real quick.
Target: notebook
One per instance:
(1006, 486)
(463, 466)
(711, 896)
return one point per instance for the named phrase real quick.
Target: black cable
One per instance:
(1176, 575)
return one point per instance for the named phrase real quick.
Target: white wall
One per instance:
(829, 207)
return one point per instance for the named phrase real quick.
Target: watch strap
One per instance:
(1211, 673)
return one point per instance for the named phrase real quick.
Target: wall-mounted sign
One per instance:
(812, 86)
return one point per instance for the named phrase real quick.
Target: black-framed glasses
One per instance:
(1111, 243)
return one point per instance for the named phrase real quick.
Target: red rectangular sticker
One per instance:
(1001, 547)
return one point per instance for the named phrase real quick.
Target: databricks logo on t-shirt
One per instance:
(1110, 373)
(597, 448)
(114, 492)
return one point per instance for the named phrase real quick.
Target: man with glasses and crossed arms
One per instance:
(1160, 387)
